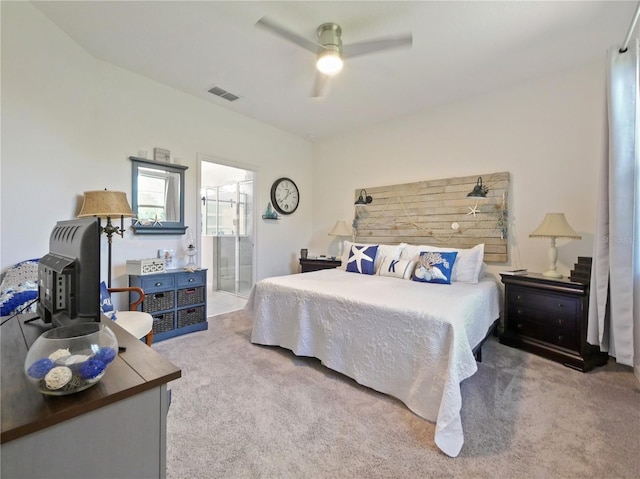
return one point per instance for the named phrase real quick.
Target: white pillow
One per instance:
(397, 268)
(384, 250)
(483, 271)
(468, 265)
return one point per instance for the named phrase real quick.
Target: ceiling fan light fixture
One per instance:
(329, 50)
(329, 62)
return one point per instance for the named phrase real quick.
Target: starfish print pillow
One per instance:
(361, 259)
(435, 267)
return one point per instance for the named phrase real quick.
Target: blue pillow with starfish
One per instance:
(361, 259)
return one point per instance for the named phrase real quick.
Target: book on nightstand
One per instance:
(515, 272)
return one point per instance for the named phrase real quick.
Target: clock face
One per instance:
(285, 196)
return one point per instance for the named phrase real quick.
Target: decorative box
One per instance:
(145, 266)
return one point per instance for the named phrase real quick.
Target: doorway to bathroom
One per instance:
(227, 234)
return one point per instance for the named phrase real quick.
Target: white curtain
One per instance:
(615, 279)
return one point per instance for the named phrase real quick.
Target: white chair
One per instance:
(137, 323)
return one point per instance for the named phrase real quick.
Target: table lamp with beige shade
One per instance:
(340, 229)
(107, 204)
(554, 226)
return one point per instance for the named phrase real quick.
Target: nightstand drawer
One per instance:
(563, 319)
(543, 316)
(538, 300)
(565, 337)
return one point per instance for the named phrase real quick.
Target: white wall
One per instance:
(549, 134)
(70, 122)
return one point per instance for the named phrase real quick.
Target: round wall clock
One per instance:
(285, 196)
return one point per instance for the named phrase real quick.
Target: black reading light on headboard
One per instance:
(479, 191)
(363, 199)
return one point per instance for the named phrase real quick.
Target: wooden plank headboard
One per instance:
(424, 212)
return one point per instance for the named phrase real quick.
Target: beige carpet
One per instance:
(247, 411)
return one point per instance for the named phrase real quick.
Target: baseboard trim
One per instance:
(636, 371)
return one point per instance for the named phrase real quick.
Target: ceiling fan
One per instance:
(329, 49)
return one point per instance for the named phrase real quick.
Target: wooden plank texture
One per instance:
(424, 212)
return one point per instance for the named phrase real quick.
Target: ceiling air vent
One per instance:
(223, 93)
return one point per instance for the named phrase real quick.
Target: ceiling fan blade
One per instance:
(274, 27)
(320, 85)
(363, 48)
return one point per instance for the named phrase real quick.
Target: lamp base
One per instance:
(553, 258)
(552, 274)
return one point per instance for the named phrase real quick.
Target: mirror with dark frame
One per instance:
(157, 197)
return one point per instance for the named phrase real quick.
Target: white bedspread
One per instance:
(411, 340)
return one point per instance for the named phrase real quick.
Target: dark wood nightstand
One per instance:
(548, 317)
(315, 264)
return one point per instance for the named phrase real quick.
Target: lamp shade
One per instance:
(555, 225)
(340, 229)
(105, 203)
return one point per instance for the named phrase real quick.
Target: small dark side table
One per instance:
(316, 264)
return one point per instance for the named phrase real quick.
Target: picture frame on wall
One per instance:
(160, 154)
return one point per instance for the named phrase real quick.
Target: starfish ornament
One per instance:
(473, 211)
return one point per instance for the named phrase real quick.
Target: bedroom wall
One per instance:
(70, 122)
(548, 133)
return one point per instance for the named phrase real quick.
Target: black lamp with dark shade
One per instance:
(479, 191)
(363, 199)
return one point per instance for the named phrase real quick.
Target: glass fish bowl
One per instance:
(69, 359)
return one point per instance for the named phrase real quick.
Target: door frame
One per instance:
(200, 157)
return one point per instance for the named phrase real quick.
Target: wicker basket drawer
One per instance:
(158, 301)
(190, 316)
(162, 322)
(189, 296)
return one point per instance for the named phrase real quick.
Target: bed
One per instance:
(401, 337)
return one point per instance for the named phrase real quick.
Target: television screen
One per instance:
(69, 275)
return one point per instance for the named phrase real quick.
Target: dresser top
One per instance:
(25, 410)
(544, 282)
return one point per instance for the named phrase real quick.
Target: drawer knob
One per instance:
(560, 338)
(518, 296)
(560, 305)
(560, 322)
(519, 311)
(191, 280)
(519, 326)
(158, 283)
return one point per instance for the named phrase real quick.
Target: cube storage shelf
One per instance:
(177, 300)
